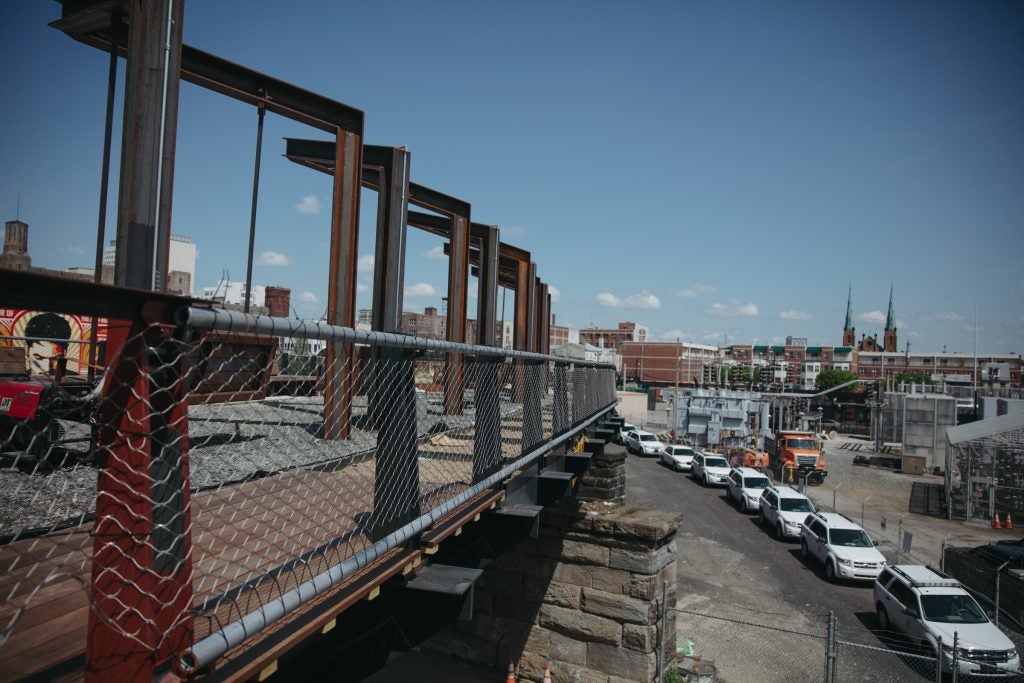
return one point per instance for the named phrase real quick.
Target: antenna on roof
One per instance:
(17, 210)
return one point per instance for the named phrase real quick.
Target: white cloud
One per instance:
(435, 253)
(732, 310)
(513, 231)
(365, 264)
(712, 336)
(794, 315)
(272, 258)
(556, 295)
(308, 204)
(308, 298)
(872, 318)
(421, 290)
(942, 315)
(672, 335)
(914, 334)
(361, 288)
(644, 300)
(72, 250)
(694, 290)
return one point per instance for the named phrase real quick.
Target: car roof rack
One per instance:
(919, 581)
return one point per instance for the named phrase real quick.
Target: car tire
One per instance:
(883, 617)
(704, 481)
(764, 520)
(830, 570)
(804, 552)
(779, 533)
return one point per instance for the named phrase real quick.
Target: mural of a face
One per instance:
(42, 354)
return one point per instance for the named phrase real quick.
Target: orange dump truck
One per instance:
(796, 454)
(748, 457)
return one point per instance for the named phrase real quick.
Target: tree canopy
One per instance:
(831, 378)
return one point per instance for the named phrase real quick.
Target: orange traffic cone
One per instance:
(995, 522)
(1009, 522)
(511, 672)
(547, 673)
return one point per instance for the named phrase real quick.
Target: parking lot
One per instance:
(752, 604)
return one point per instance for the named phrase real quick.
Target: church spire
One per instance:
(890, 343)
(849, 333)
(890, 320)
(849, 309)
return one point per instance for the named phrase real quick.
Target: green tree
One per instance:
(912, 377)
(832, 378)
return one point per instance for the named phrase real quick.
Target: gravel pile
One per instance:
(230, 442)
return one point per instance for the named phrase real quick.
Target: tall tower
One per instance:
(849, 333)
(15, 255)
(889, 340)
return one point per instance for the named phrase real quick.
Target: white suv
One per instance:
(932, 609)
(710, 468)
(843, 547)
(643, 443)
(783, 509)
(745, 486)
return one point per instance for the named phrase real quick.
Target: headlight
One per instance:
(792, 524)
(844, 562)
(1011, 654)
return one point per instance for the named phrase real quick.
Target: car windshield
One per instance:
(807, 444)
(646, 437)
(682, 451)
(952, 609)
(797, 505)
(853, 538)
(715, 462)
(756, 483)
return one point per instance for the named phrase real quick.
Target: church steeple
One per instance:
(849, 333)
(889, 340)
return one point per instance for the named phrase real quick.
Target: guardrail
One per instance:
(206, 509)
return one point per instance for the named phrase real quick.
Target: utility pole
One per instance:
(675, 401)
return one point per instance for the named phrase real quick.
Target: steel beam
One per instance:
(147, 149)
(341, 296)
(88, 21)
(392, 167)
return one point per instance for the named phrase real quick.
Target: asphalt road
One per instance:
(766, 607)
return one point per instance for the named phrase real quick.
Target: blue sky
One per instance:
(713, 170)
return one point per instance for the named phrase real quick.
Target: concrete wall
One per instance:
(925, 419)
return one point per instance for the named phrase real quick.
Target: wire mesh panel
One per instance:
(900, 661)
(223, 477)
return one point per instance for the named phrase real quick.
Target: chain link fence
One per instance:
(198, 494)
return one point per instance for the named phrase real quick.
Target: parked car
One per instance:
(710, 468)
(744, 488)
(678, 457)
(643, 443)
(932, 609)
(783, 509)
(620, 436)
(842, 546)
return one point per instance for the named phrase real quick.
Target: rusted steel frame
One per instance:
(340, 376)
(88, 22)
(260, 113)
(147, 150)
(392, 168)
(487, 281)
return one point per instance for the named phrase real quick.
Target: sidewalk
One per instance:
(879, 494)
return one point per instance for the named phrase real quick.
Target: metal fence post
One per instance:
(956, 656)
(999, 575)
(830, 648)
(560, 408)
(533, 426)
(396, 493)
(862, 504)
(938, 661)
(487, 441)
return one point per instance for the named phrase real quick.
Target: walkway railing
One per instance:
(235, 475)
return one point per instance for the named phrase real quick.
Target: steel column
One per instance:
(341, 297)
(392, 218)
(487, 281)
(147, 147)
(458, 281)
(396, 491)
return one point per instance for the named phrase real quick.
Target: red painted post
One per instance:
(141, 613)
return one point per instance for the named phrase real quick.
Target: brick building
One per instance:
(666, 363)
(614, 338)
